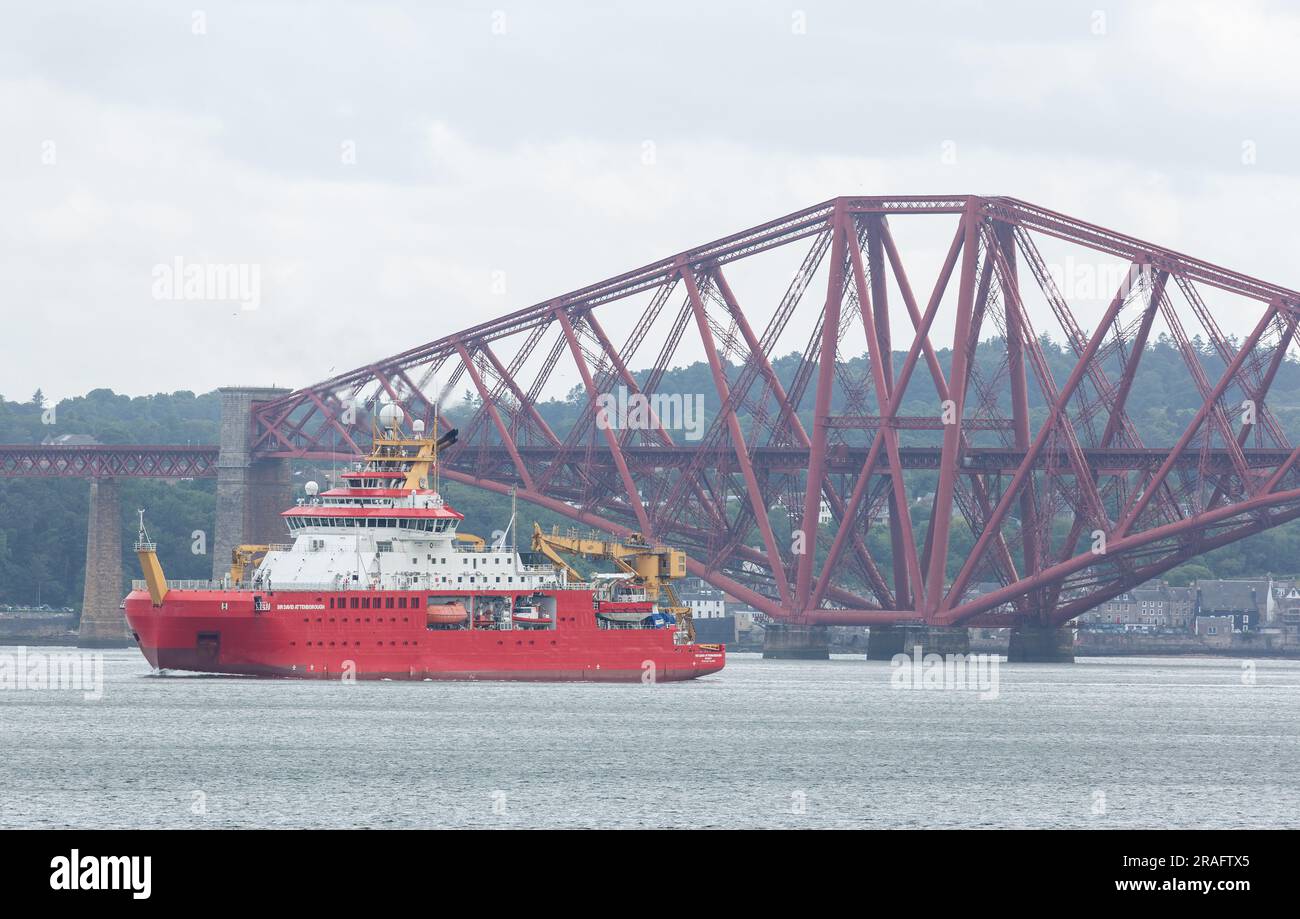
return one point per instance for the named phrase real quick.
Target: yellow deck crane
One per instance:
(651, 567)
(243, 558)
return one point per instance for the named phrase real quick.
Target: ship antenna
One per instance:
(434, 434)
(514, 513)
(142, 540)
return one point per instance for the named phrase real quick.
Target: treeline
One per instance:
(43, 521)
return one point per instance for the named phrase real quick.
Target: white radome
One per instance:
(312, 489)
(418, 426)
(390, 415)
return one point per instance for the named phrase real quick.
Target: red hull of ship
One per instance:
(297, 634)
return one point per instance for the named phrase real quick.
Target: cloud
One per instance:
(490, 176)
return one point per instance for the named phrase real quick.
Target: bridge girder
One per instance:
(834, 483)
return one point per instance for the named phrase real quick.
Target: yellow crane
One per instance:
(242, 557)
(651, 567)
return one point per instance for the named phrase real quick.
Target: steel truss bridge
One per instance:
(817, 491)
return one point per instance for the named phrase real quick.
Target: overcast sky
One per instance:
(382, 165)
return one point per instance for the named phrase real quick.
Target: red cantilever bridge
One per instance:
(835, 484)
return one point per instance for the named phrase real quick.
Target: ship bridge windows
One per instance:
(413, 524)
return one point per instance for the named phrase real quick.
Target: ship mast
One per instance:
(434, 435)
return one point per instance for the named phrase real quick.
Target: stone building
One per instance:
(705, 602)
(1155, 604)
(1249, 602)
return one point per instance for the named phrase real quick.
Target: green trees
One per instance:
(43, 521)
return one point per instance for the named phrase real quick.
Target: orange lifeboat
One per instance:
(447, 614)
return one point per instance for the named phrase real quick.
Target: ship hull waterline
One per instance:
(294, 636)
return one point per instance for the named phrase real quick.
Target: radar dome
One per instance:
(417, 426)
(390, 415)
(311, 488)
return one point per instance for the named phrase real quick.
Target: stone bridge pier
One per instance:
(250, 493)
(1035, 643)
(103, 624)
(886, 641)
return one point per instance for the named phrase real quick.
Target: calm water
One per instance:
(1145, 742)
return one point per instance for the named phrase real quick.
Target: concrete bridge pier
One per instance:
(884, 641)
(250, 493)
(792, 642)
(1040, 644)
(103, 624)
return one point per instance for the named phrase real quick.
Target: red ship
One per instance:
(378, 584)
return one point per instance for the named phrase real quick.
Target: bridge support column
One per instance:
(250, 493)
(787, 642)
(884, 641)
(103, 625)
(1037, 644)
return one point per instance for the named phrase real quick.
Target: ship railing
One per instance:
(346, 587)
(187, 584)
(200, 584)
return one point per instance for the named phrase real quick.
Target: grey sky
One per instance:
(503, 137)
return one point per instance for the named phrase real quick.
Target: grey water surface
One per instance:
(1100, 743)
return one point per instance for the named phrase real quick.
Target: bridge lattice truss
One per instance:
(1035, 485)
(95, 461)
